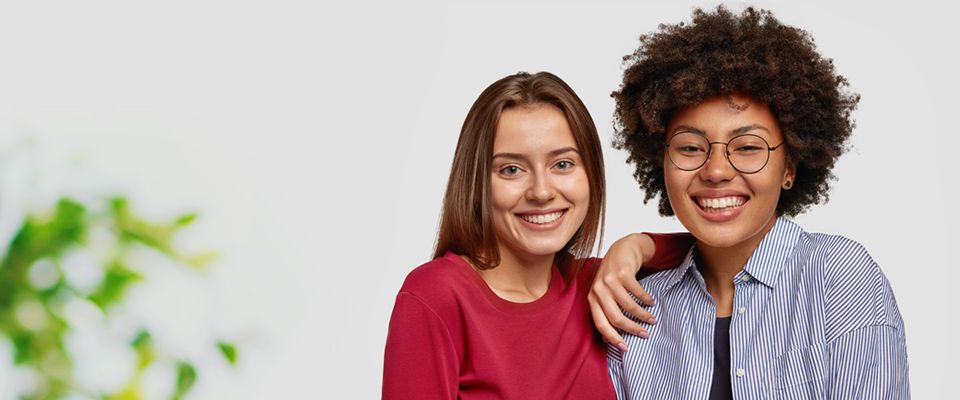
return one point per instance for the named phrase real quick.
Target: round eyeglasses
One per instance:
(747, 154)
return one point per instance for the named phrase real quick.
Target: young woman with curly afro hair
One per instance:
(735, 122)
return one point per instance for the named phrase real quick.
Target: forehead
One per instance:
(541, 127)
(718, 117)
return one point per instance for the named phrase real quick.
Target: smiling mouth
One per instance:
(542, 219)
(720, 204)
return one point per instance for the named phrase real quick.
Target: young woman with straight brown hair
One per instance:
(501, 312)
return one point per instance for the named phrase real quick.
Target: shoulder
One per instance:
(587, 266)
(856, 292)
(437, 278)
(662, 283)
(841, 259)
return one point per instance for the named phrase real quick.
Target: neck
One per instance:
(719, 265)
(519, 278)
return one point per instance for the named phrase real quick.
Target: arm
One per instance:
(420, 360)
(866, 347)
(869, 363)
(669, 250)
(616, 281)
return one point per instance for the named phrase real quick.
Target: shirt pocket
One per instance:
(798, 374)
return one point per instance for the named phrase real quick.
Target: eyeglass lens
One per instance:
(747, 153)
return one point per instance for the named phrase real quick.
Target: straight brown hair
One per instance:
(466, 224)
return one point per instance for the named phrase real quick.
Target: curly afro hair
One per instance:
(721, 53)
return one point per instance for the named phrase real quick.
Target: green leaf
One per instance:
(119, 204)
(22, 344)
(143, 345)
(143, 339)
(186, 377)
(48, 237)
(114, 285)
(185, 219)
(229, 351)
(69, 223)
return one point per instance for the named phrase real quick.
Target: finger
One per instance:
(628, 304)
(614, 300)
(633, 286)
(607, 332)
(616, 318)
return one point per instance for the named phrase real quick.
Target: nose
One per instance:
(717, 167)
(541, 189)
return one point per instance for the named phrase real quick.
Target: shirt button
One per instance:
(741, 310)
(746, 278)
(740, 372)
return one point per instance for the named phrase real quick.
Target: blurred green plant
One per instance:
(32, 315)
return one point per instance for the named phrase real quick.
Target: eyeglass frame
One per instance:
(726, 151)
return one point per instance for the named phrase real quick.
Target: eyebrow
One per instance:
(688, 128)
(554, 153)
(738, 131)
(748, 128)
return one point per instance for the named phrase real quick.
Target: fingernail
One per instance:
(622, 346)
(644, 334)
(652, 320)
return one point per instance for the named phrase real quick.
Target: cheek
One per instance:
(676, 182)
(766, 187)
(576, 188)
(769, 181)
(504, 194)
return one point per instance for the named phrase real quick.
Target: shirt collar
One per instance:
(773, 252)
(765, 263)
(674, 276)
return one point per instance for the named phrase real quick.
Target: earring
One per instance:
(787, 184)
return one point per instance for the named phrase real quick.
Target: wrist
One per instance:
(647, 246)
(643, 244)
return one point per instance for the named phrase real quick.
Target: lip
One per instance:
(722, 216)
(715, 193)
(542, 227)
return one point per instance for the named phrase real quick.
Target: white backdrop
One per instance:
(315, 141)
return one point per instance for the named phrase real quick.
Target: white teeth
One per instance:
(542, 218)
(722, 202)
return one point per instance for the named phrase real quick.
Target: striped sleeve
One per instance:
(864, 330)
(869, 363)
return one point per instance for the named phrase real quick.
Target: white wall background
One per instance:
(315, 140)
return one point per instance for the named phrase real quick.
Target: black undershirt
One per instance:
(721, 389)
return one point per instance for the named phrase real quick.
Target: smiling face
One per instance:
(720, 206)
(539, 185)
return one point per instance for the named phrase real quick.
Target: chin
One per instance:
(718, 237)
(728, 234)
(543, 249)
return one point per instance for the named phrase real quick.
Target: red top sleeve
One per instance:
(671, 249)
(419, 359)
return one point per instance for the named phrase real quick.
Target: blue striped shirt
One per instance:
(813, 318)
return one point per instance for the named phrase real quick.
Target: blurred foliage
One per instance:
(31, 312)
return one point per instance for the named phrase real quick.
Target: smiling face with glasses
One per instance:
(722, 174)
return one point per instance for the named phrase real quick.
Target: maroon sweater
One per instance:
(451, 337)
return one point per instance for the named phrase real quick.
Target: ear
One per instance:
(789, 176)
